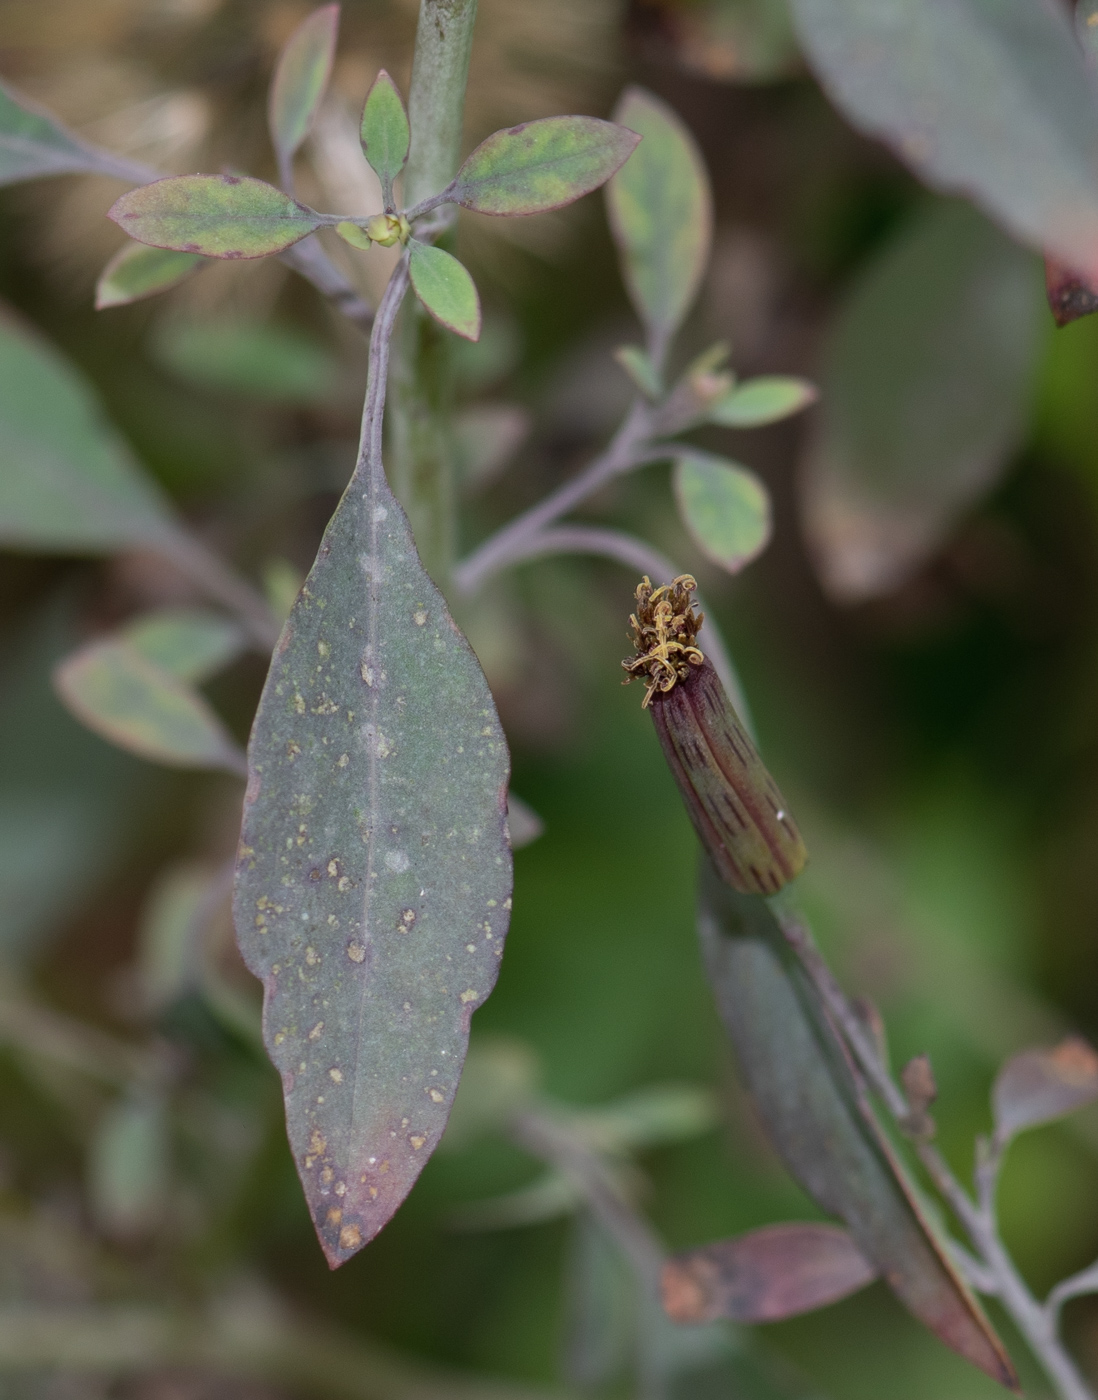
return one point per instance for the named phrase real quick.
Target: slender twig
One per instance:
(1085, 1281)
(629, 448)
(221, 583)
(994, 1265)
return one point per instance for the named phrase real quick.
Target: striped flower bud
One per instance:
(734, 803)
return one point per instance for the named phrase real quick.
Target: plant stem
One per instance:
(996, 1271)
(421, 467)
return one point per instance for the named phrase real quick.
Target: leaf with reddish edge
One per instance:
(137, 271)
(374, 876)
(385, 133)
(300, 79)
(765, 1275)
(129, 700)
(445, 288)
(219, 216)
(819, 1120)
(541, 165)
(1039, 1086)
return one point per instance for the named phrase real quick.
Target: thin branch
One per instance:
(221, 583)
(1085, 1281)
(629, 448)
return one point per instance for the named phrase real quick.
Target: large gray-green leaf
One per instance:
(926, 382)
(33, 143)
(374, 879)
(989, 100)
(818, 1119)
(68, 482)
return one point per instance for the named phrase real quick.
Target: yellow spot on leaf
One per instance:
(314, 1034)
(469, 995)
(350, 1237)
(336, 1076)
(356, 952)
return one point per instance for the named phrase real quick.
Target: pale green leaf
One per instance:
(300, 79)
(130, 701)
(220, 216)
(191, 644)
(926, 383)
(137, 271)
(816, 1115)
(445, 289)
(991, 101)
(374, 877)
(33, 143)
(68, 482)
(541, 165)
(128, 1165)
(725, 508)
(355, 235)
(168, 964)
(661, 213)
(757, 402)
(385, 133)
(640, 370)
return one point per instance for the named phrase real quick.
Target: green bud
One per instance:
(388, 229)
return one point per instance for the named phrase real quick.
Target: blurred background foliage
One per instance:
(922, 662)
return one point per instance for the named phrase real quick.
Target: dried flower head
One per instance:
(665, 630)
(734, 803)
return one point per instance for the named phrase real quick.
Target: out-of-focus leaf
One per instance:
(661, 213)
(68, 802)
(1039, 1086)
(926, 385)
(541, 165)
(1069, 295)
(990, 101)
(300, 79)
(191, 644)
(778, 1271)
(640, 370)
(67, 480)
(281, 583)
(33, 143)
(702, 384)
(137, 271)
(501, 1077)
(725, 507)
(757, 402)
(819, 1120)
(600, 1302)
(274, 364)
(548, 1197)
(128, 1166)
(1086, 30)
(651, 1117)
(445, 289)
(486, 437)
(385, 133)
(220, 216)
(130, 701)
(732, 41)
(374, 876)
(524, 826)
(167, 961)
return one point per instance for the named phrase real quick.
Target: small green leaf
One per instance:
(640, 370)
(445, 289)
(220, 216)
(541, 165)
(385, 133)
(300, 80)
(757, 402)
(353, 234)
(168, 963)
(725, 508)
(128, 1165)
(661, 213)
(137, 271)
(70, 483)
(191, 644)
(272, 363)
(130, 701)
(817, 1116)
